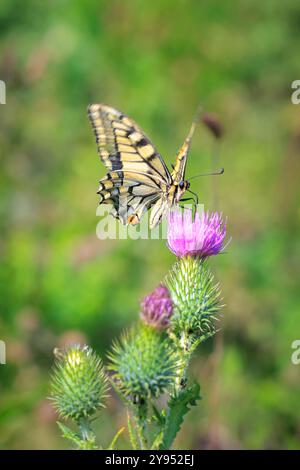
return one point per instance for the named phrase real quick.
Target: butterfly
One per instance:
(138, 178)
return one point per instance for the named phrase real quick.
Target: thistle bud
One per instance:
(143, 363)
(157, 307)
(196, 298)
(78, 383)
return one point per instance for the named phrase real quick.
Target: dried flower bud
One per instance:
(213, 124)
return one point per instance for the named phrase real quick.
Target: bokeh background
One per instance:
(58, 283)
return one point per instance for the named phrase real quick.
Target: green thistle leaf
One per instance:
(179, 404)
(67, 433)
(76, 439)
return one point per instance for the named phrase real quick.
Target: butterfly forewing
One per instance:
(178, 172)
(122, 145)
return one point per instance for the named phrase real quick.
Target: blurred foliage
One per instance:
(58, 283)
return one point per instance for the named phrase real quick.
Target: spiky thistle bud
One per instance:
(78, 383)
(196, 297)
(144, 363)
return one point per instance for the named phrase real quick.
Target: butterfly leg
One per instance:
(195, 196)
(196, 201)
(184, 200)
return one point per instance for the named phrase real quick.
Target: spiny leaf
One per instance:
(179, 404)
(67, 433)
(158, 416)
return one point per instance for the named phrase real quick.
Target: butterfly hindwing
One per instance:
(128, 198)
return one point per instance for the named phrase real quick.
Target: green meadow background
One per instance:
(58, 283)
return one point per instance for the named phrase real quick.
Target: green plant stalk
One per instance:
(184, 350)
(185, 360)
(140, 415)
(86, 433)
(115, 439)
(132, 432)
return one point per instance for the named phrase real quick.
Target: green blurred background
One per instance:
(58, 283)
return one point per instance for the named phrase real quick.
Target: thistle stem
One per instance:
(185, 360)
(140, 415)
(86, 433)
(84, 428)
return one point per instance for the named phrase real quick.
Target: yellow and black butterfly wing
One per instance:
(122, 144)
(178, 173)
(138, 175)
(130, 198)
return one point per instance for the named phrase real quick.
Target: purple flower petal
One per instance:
(157, 307)
(202, 237)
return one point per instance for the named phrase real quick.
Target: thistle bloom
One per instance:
(201, 237)
(157, 307)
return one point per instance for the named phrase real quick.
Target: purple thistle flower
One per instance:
(157, 307)
(201, 237)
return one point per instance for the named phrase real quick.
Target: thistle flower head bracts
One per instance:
(157, 307)
(78, 383)
(196, 298)
(143, 363)
(202, 237)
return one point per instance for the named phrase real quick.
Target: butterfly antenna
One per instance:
(214, 173)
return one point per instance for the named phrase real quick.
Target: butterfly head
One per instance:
(184, 185)
(180, 189)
